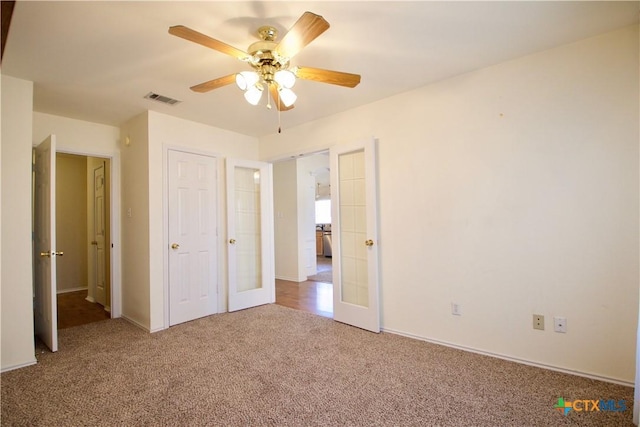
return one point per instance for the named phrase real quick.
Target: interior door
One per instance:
(355, 235)
(99, 234)
(193, 237)
(46, 317)
(250, 234)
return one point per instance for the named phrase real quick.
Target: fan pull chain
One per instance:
(279, 121)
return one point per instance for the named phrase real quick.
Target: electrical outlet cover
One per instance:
(538, 322)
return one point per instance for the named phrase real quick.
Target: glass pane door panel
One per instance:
(353, 228)
(248, 229)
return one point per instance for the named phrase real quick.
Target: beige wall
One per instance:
(511, 190)
(16, 341)
(71, 221)
(135, 220)
(285, 203)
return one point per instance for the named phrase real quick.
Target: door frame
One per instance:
(114, 208)
(320, 149)
(308, 152)
(220, 231)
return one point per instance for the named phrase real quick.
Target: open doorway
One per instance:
(83, 291)
(322, 215)
(303, 245)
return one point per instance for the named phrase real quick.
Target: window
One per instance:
(323, 211)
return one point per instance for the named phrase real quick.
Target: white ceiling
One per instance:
(96, 60)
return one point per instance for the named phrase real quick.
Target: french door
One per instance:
(250, 234)
(355, 235)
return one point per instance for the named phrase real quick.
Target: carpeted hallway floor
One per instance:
(272, 365)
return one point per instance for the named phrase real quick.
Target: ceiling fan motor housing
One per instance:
(264, 58)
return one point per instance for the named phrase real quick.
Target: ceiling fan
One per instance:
(270, 62)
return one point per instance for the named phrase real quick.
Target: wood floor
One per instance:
(75, 310)
(312, 296)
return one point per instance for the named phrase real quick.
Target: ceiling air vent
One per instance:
(162, 98)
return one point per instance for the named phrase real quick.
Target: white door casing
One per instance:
(99, 237)
(45, 307)
(193, 240)
(250, 240)
(355, 235)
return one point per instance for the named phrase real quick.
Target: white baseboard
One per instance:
(18, 366)
(107, 309)
(291, 279)
(90, 299)
(135, 323)
(514, 359)
(66, 291)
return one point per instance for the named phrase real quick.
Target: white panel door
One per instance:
(99, 237)
(355, 235)
(250, 234)
(193, 239)
(45, 307)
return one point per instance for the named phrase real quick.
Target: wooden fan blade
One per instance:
(214, 84)
(273, 90)
(196, 37)
(303, 32)
(327, 76)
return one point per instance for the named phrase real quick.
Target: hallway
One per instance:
(75, 310)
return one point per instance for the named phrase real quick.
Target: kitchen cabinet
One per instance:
(319, 246)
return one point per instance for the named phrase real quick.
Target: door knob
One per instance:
(95, 243)
(369, 242)
(175, 246)
(49, 254)
(232, 241)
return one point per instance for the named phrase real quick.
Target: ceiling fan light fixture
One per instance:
(253, 94)
(285, 78)
(287, 97)
(270, 62)
(246, 79)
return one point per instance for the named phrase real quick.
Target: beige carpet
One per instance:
(276, 366)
